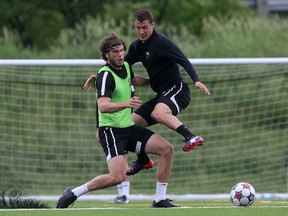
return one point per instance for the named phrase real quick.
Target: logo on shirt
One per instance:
(147, 55)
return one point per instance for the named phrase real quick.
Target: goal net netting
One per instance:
(47, 128)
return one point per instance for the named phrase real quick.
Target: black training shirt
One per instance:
(160, 56)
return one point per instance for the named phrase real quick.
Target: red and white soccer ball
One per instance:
(243, 194)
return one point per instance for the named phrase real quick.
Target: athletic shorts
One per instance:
(176, 98)
(116, 141)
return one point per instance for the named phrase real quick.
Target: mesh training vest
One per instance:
(121, 93)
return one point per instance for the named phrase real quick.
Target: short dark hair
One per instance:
(142, 15)
(110, 41)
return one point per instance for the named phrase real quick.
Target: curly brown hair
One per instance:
(109, 42)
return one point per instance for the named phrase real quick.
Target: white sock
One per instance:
(125, 188)
(79, 191)
(119, 189)
(161, 189)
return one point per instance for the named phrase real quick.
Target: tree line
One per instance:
(39, 23)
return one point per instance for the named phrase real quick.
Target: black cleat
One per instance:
(120, 200)
(66, 199)
(136, 167)
(163, 204)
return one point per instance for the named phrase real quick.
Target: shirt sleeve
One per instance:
(105, 84)
(96, 115)
(131, 72)
(171, 51)
(132, 57)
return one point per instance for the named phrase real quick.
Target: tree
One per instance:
(39, 23)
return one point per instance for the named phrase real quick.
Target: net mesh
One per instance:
(47, 129)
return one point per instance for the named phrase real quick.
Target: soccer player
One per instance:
(123, 188)
(161, 57)
(117, 132)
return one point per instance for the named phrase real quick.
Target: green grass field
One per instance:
(203, 208)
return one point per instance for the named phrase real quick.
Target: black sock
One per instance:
(185, 132)
(143, 158)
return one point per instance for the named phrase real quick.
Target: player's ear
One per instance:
(106, 55)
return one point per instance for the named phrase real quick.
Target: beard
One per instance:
(116, 64)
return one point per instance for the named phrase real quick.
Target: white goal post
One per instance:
(47, 128)
(97, 62)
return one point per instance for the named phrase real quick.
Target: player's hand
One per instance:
(90, 83)
(202, 87)
(134, 102)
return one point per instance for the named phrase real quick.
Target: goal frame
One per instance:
(194, 61)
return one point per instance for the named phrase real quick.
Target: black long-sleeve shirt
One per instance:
(160, 56)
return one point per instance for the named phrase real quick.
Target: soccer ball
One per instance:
(243, 194)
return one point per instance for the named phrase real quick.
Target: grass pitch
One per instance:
(203, 208)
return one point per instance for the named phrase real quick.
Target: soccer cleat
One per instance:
(120, 200)
(163, 204)
(192, 142)
(149, 165)
(136, 167)
(66, 199)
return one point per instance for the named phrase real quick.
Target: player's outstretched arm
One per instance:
(90, 82)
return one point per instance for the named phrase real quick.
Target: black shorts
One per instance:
(176, 98)
(116, 141)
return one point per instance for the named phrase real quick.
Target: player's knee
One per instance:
(117, 179)
(170, 150)
(167, 150)
(156, 115)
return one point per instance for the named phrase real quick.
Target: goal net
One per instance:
(47, 128)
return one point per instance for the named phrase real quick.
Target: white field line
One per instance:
(135, 208)
(185, 197)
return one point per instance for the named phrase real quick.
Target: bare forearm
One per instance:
(112, 107)
(105, 104)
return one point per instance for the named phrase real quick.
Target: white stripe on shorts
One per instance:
(114, 144)
(138, 147)
(173, 96)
